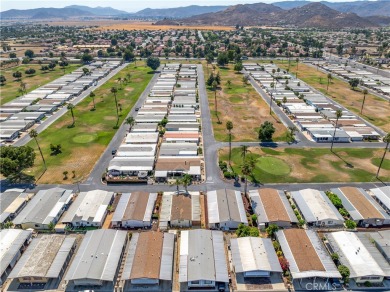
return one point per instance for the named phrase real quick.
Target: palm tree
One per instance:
(339, 114)
(186, 181)
(34, 134)
(177, 184)
(247, 169)
(386, 139)
(229, 83)
(365, 91)
(119, 81)
(130, 121)
(71, 107)
(244, 149)
(297, 60)
(92, 95)
(23, 87)
(214, 86)
(330, 77)
(229, 127)
(292, 129)
(114, 90)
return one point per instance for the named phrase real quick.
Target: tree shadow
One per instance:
(71, 126)
(347, 164)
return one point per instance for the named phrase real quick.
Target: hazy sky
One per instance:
(126, 5)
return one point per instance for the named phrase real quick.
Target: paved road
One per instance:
(50, 120)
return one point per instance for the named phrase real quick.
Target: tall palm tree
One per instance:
(247, 169)
(365, 91)
(34, 134)
(386, 139)
(339, 114)
(229, 127)
(297, 60)
(119, 81)
(244, 149)
(215, 86)
(130, 121)
(71, 107)
(92, 95)
(330, 77)
(114, 90)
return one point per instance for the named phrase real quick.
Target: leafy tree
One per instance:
(30, 71)
(65, 173)
(86, 71)
(17, 75)
(177, 183)
(153, 63)
(386, 139)
(354, 82)
(266, 131)
(335, 200)
(92, 95)
(12, 55)
(86, 58)
(14, 160)
(163, 122)
(128, 56)
(71, 107)
(339, 114)
(350, 224)
(244, 231)
(222, 59)
(335, 257)
(29, 54)
(44, 68)
(209, 58)
(130, 121)
(2, 79)
(344, 272)
(272, 229)
(114, 42)
(186, 181)
(238, 67)
(51, 226)
(34, 135)
(218, 78)
(229, 127)
(52, 66)
(210, 80)
(254, 218)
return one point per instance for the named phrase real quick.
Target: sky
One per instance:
(126, 5)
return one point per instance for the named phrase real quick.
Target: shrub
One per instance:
(228, 174)
(276, 245)
(350, 224)
(367, 284)
(344, 272)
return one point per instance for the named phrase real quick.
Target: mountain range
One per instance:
(296, 13)
(310, 15)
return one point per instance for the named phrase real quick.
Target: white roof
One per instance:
(354, 254)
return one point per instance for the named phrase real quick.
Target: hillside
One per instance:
(361, 8)
(179, 12)
(242, 14)
(44, 13)
(310, 15)
(101, 11)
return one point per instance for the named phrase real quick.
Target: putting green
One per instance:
(84, 138)
(273, 165)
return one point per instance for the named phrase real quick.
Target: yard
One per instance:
(9, 90)
(309, 165)
(83, 144)
(241, 104)
(376, 110)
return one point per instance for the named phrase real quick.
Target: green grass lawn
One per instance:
(241, 104)
(83, 144)
(9, 90)
(310, 165)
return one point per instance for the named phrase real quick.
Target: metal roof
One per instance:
(225, 205)
(98, 255)
(150, 255)
(10, 202)
(383, 195)
(315, 205)
(135, 206)
(275, 208)
(296, 255)
(11, 241)
(359, 204)
(88, 207)
(353, 254)
(254, 254)
(181, 202)
(45, 257)
(44, 207)
(202, 256)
